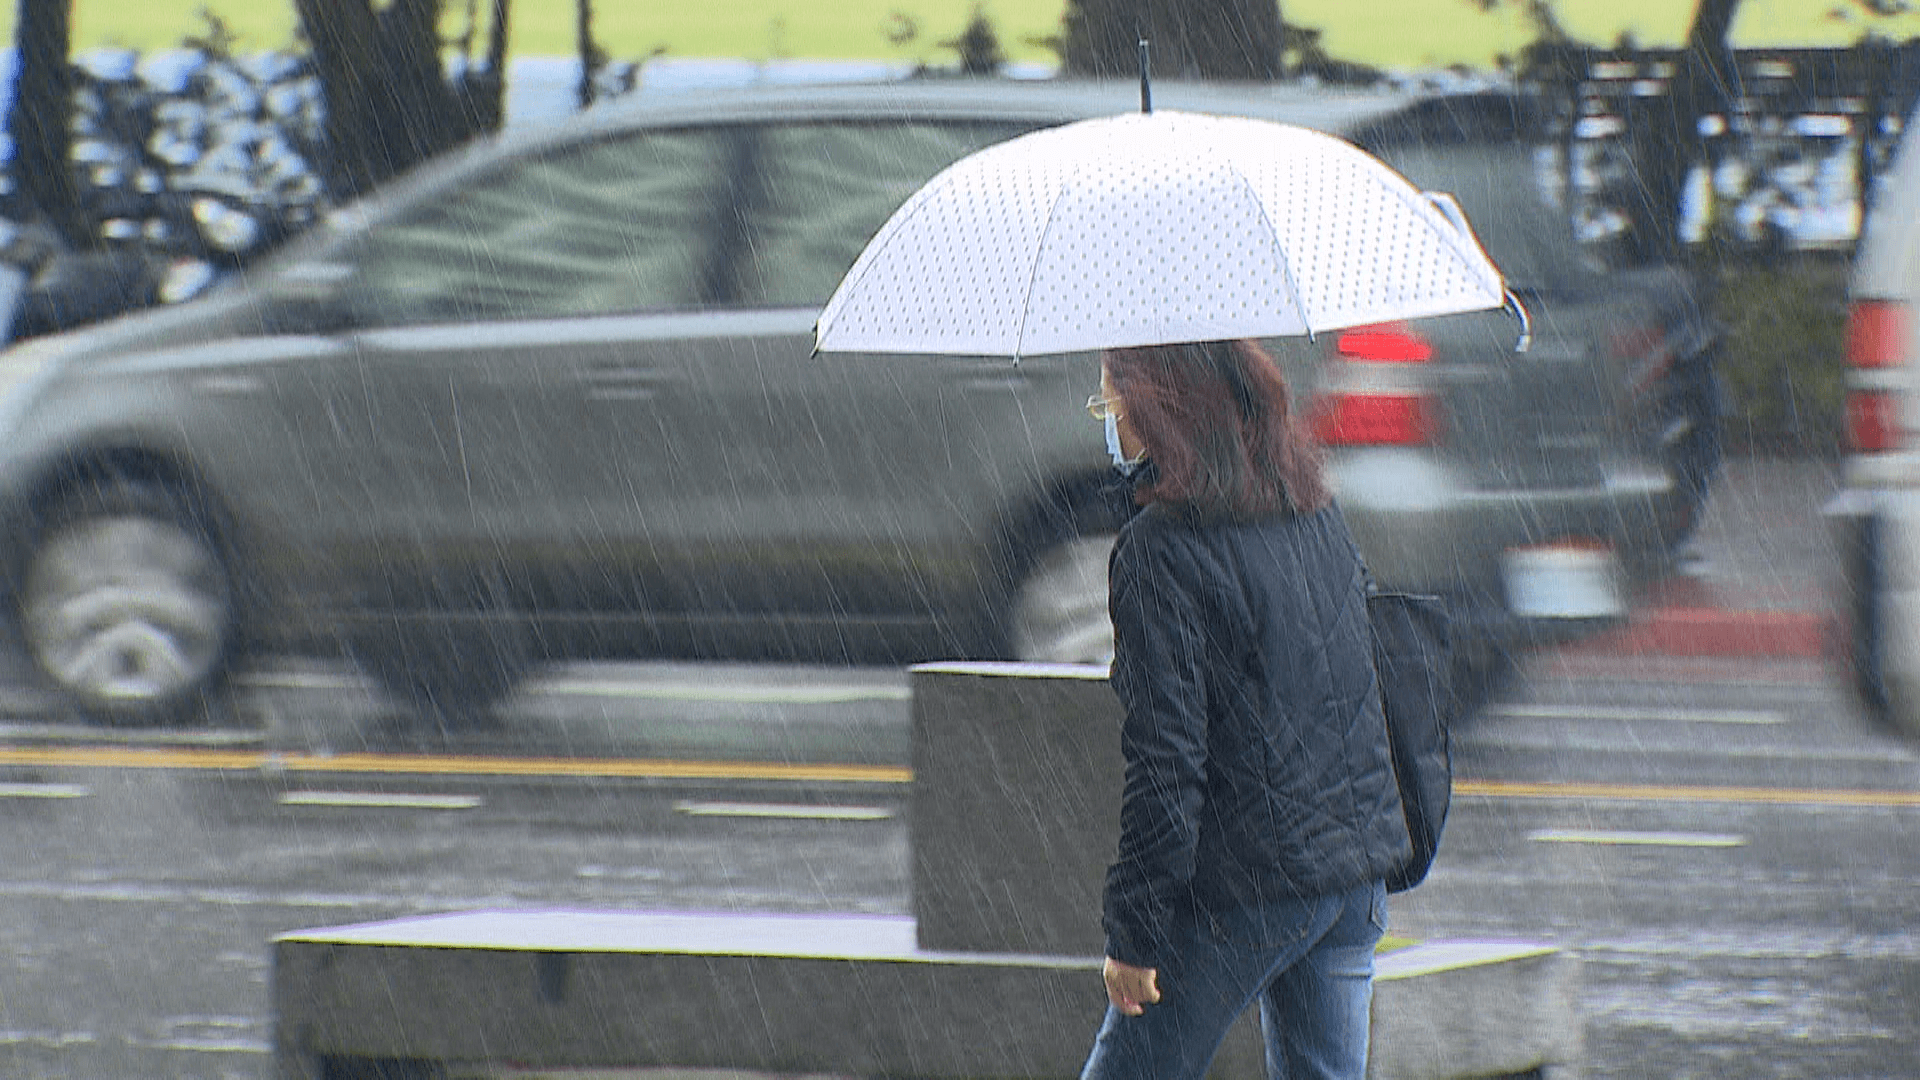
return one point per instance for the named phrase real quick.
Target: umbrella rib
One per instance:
(1464, 246)
(863, 265)
(1280, 253)
(1033, 271)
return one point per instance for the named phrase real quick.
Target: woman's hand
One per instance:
(1131, 989)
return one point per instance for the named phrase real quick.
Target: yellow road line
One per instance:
(188, 758)
(447, 765)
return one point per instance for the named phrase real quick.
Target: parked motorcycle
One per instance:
(190, 164)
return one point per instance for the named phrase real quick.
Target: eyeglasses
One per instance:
(1102, 407)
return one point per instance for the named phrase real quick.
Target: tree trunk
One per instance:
(42, 118)
(421, 117)
(1190, 39)
(389, 104)
(1670, 142)
(483, 90)
(344, 35)
(589, 52)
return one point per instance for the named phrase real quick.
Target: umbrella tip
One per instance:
(1146, 79)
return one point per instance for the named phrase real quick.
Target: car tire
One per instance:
(127, 602)
(1866, 613)
(449, 675)
(1058, 612)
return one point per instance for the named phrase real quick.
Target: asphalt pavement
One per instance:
(1757, 577)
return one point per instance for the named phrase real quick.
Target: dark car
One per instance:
(554, 398)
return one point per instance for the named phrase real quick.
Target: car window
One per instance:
(1530, 240)
(825, 189)
(625, 224)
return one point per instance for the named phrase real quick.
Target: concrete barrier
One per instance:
(1016, 805)
(1015, 812)
(496, 993)
(844, 995)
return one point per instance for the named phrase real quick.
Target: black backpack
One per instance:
(1413, 656)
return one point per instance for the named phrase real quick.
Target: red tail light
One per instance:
(1390, 344)
(1873, 421)
(1373, 399)
(1878, 333)
(1375, 420)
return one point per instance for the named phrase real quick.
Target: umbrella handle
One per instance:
(1519, 311)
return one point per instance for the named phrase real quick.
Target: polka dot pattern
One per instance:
(1145, 229)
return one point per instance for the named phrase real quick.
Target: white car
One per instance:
(1876, 516)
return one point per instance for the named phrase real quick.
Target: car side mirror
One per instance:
(309, 297)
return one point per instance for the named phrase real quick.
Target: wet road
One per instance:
(1721, 842)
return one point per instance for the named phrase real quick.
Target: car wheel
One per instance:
(1059, 610)
(127, 602)
(1866, 616)
(449, 676)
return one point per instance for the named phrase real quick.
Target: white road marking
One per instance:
(53, 1040)
(1646, 839)
(782, 810)
(1630, 714)
(212, 1046)
(44, 791)
(206, 1035)
(831, 694)
(380, 800)
(62, 734)
(732, 695)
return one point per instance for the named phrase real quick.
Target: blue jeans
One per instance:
(1308, 961)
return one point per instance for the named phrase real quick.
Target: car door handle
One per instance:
(615, 382)
(231, 385)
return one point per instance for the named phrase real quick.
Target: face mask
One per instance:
(1121, 464)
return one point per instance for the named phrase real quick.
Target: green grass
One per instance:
(1782, 366)
(1398, 33)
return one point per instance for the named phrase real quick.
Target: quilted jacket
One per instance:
(1256, 755)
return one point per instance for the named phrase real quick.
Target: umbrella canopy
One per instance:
(1154, 228)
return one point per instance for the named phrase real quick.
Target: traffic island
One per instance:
(997, 974)
(493, 994)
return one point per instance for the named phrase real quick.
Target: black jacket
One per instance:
(1256, 754)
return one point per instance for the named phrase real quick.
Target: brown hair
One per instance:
(1216, 420)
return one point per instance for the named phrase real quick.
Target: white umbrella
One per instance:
(1155, 228)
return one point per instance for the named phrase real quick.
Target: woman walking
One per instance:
(1260, 814)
